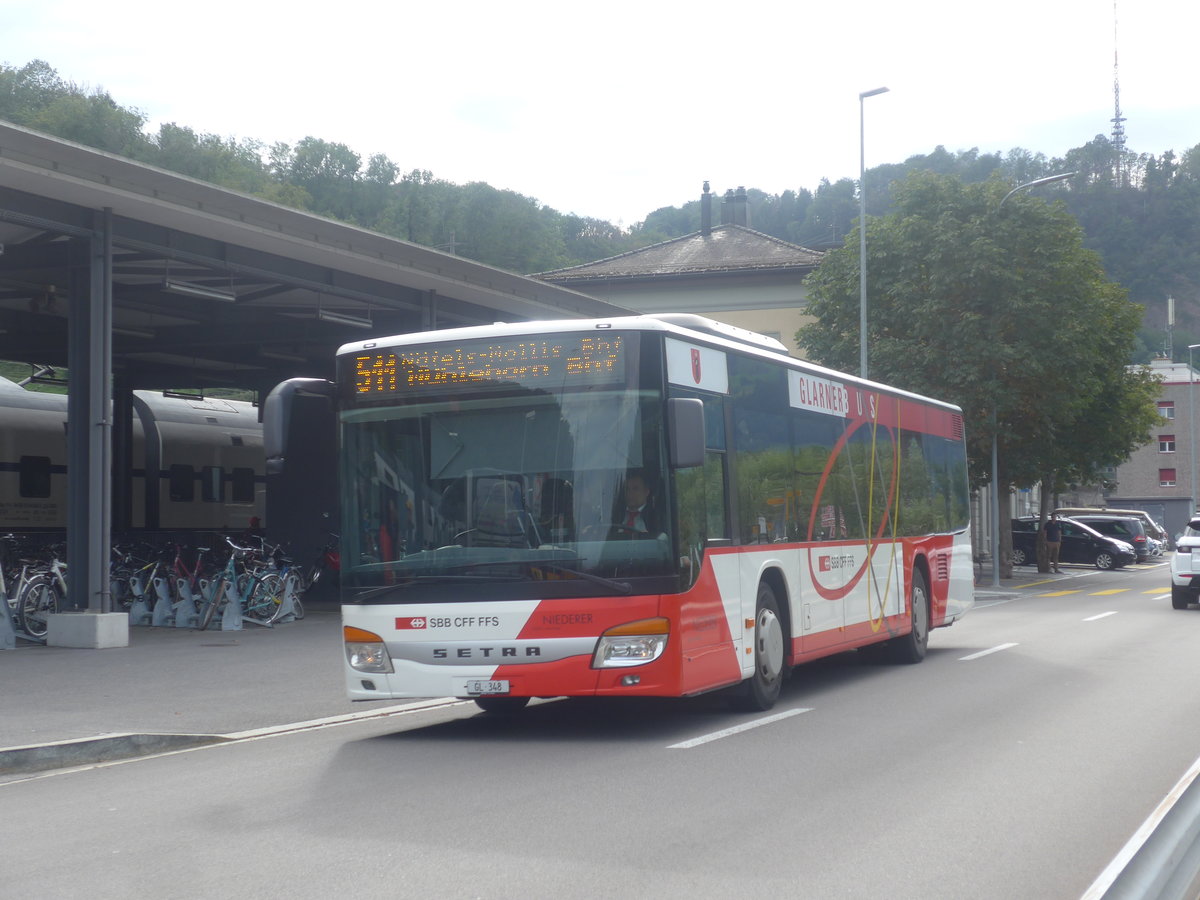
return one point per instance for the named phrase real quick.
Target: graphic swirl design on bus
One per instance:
(820, 559)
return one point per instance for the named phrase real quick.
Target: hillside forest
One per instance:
(1141, 213)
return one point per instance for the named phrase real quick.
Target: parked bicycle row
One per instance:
(168, 585)
(31, 584)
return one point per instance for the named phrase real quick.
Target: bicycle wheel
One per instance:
(37, 600)
(218, 600)
(263, 599)
(276, 585)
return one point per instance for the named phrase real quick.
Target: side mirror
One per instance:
(685, 432)
(277, 415)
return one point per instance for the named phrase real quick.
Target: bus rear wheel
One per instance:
(760, 691)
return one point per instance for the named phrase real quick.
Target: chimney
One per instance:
(741, 208)
(727, 208)
(735, 209)
(706, 212)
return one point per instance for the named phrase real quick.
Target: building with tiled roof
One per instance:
(728, 272)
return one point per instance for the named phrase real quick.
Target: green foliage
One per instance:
(1145, 225)
(997, 306)
(19, 372)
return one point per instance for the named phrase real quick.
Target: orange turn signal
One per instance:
(352, 635)
(642, 626)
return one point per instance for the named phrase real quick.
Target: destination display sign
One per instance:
(549, 361)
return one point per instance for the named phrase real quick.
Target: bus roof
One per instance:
(689, 326)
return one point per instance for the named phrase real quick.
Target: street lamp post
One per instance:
(862, 232)
(995, 504)
(1192, 426)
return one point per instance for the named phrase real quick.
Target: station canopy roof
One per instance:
(215, 288)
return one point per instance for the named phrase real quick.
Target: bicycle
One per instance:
(12, 584)
(287, 581)
(328, 560)
(42, 593)
(282, 578)
(186, 586)
(146, 586)
(258, 591)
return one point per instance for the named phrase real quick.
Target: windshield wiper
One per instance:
(620, 587)
(617, 587)
(409, 580)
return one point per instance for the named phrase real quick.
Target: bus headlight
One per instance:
(365, 651)
(631, 644)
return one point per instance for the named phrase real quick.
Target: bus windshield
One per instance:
(530, 494)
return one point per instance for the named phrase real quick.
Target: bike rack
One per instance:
(287, 612)
(163, 611)
(139, 610)
(8, 631)
(231, 615)
(187, 615)
(207, 597)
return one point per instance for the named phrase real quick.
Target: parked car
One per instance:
(1185, 567)
(1153, 529)
(1123, 528)
(1080, 544)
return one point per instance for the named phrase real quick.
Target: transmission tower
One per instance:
(1118, 121)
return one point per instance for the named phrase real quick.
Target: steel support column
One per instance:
(89, 413)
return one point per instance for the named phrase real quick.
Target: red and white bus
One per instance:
(640, 506)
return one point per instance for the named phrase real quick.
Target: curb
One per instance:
(34, 758)
(90, 751)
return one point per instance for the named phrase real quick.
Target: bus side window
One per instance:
(762, 451)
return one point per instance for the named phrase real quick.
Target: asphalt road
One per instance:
(1014, 762)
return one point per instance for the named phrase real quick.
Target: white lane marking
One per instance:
(1103, 615)
(985, 604)
(987, 652)
(737, 729)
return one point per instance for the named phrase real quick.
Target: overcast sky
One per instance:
(612, 110)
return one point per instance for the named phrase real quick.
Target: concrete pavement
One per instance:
(173, 688)
(169, 688)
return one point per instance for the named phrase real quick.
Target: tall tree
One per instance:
(998, 307)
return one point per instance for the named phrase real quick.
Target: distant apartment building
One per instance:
(1160, 476)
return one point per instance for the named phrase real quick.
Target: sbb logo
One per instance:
(835, 563)
(414, 622)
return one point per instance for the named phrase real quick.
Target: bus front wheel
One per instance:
(505, 706)
(761, 690)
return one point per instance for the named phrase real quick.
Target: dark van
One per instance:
(1123, 528)
(1080, 544)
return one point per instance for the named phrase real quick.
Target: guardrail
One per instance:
(1162, 859)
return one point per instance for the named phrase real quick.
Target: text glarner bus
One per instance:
(639, 506)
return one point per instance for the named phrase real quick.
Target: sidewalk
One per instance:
(168, 681)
